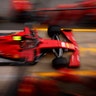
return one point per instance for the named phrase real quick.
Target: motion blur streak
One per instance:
(87, 49)
(52, 83)
(74, 30)
(66, 71)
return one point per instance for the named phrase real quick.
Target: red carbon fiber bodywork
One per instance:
(12, 49)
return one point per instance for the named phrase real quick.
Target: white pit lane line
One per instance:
(8, 31)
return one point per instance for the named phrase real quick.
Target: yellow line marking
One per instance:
(84, 73)
(84, 30)
(87, 49)
(64, 72)
(74, 30)
(49, 74)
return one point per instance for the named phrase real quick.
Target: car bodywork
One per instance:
(26, 47)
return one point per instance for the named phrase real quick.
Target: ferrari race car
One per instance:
(27, 47)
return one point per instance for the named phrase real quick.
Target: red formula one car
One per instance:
(26, 47)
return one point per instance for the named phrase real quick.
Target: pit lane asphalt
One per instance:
(87, 45)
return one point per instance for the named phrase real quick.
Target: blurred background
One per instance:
(5, 5)
(80, 15)
(74, 13)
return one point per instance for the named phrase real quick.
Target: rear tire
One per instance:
(59, 62)
(54, 30)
